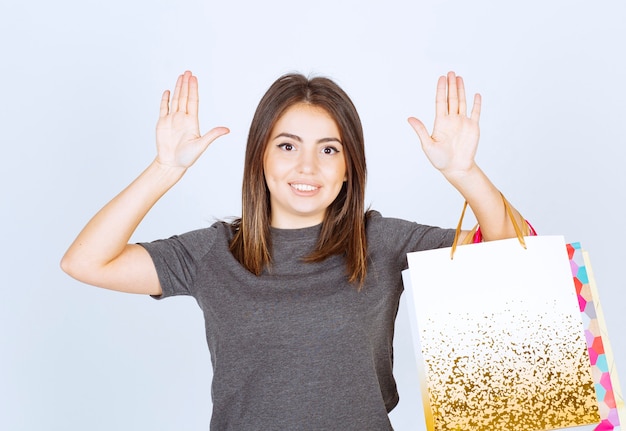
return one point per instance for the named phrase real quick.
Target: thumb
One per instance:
(420, 129)
(210, 136)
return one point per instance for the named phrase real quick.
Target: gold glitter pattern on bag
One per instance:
(490, 377)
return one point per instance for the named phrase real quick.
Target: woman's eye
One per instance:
(330, 150)
(286, 147)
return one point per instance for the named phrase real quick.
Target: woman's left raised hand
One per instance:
(452, 146)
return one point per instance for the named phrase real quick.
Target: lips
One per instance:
(304, 187)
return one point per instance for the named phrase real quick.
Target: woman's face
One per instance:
(304, 166)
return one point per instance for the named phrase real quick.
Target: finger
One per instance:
(420, 129)
(179, 83)
(441, 103)
(453, 97)
(212, 135)
(192, 103)
(461, 94)
(478, 100)
(164, 109)
(184, 92)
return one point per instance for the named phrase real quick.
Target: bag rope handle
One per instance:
(475, 235)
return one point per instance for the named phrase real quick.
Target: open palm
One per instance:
(179, 143)
(452, 146)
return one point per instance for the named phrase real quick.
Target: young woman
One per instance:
(300, 294)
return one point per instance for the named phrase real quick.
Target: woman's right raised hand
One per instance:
(101, 254)
(179, 143)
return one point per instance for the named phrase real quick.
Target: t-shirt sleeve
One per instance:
(396, 237)
(177, 259)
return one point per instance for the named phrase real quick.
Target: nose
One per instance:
(307, 161)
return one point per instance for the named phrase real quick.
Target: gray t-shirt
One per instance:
(297, 347)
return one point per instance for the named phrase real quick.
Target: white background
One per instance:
(81, 83)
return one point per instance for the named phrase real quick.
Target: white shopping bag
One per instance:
(499, 337)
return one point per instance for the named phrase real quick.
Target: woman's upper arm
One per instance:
(132, 271)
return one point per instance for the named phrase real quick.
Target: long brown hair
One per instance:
(343, 228)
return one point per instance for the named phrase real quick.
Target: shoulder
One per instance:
(375, 220)
(404, 235)
(378, 225)
(195, 243)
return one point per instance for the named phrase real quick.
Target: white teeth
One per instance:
(304, 187)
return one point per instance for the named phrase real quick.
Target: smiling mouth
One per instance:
(304, 187)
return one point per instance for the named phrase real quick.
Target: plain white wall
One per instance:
(81, 83)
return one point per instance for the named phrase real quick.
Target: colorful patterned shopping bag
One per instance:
(603, 369)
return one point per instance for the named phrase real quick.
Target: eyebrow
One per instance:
(299, 139)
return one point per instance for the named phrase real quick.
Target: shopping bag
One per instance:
(499, 337)
(603, 369)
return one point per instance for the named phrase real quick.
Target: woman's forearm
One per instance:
(105, 237)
